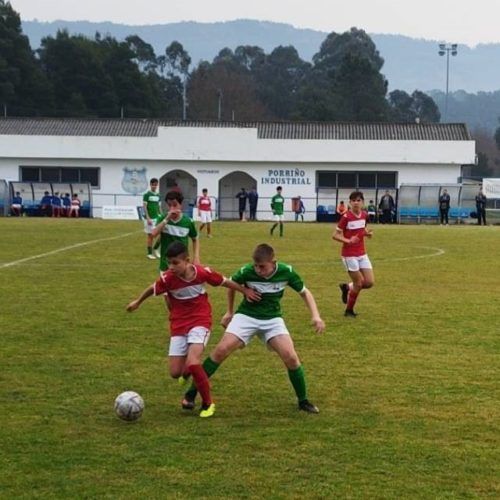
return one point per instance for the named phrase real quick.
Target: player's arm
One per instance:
(250, 294)
(145, 207)
(308, 298)
(338, 235)
(228, 316)
(150, 290)
(196, 251)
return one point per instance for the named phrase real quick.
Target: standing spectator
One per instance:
(46, 204)
(242, 202)
(75, 206)
(277, 206)
(444, 206)
(481, 207)
(372, 212)
(204, 205)
(387, 206)
(16, 206)
(66, 204)
(300, 209)
(253, 199)
(56, 205)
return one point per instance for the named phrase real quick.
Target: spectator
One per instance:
(300, 209)
(387, 206)
(17, 205)
(341, 209)
(75, 206)
(242, 202)
(46, 204)
(372, 212)
(56, 205)
(444, 207)
(66, 205)
(481, 207)
(253, 199)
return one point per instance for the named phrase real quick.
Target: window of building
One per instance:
(386, 180)
(367, 180)
(347, 180)
(327, 179)
(60, 174)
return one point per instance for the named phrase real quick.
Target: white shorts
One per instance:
(245, 328)
(279, 217)
(16, 205)
(205, 216)
(179, 343)
(148, 227)
(357, 263)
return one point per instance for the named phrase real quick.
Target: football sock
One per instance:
(201, 381)
(157, 245)
(298, 380)
(281, 228)
(351, 300)
(273, 228)
(150, 250)
(210, 368)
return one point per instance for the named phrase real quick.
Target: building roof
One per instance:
(136, 127)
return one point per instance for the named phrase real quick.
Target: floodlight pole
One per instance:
(446, 49)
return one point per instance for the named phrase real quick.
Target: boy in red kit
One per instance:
(190, 315)
(351, 231)
(205, 212)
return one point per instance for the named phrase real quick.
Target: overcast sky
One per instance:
(470, 22)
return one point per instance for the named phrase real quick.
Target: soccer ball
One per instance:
(129, 405)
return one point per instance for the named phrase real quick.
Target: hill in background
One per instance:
(409, 63)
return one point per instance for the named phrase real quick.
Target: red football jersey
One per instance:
(353, 225)
(204, 203)
(189, 301)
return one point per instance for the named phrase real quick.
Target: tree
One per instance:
(278, 78)
(406, 108)
(24, 89)
(144, 53)
(497, 137)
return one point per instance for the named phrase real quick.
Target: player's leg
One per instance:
(244, 331)
(209, 229)
(200, 378)
(357, 281)
(282, 344)
(281, 227)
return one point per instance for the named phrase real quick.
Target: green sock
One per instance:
(210, 368)
(157, 245)
(281, 228)
(298, 380)
(150, 250)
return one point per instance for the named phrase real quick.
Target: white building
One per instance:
(321, 162)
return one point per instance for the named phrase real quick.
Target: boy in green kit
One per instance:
(277, 206)
(264, 319)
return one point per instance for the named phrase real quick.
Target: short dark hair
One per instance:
(174, 195)
(279, 188)
(356, 194)
(177, 249)
(17, 193)
(204, 190)
(263, 253)
(154, 179)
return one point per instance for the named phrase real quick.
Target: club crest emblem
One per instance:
(134, 180)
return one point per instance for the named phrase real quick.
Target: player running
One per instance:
(190, 315)
(277, 206)
(204, 206)
(351, 231)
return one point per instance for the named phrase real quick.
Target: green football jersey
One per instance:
(277, 203)
(152, 201)
(181, 230)
(271, 288)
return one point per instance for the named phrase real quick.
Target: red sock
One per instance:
(201, 381)
(351, 299)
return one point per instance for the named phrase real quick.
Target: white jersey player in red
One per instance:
(190, 315)
(204, 206)
(351, 231)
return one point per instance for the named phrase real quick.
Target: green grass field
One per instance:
(408, 391)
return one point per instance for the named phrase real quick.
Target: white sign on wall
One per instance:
(120, 212)
(491, 188)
